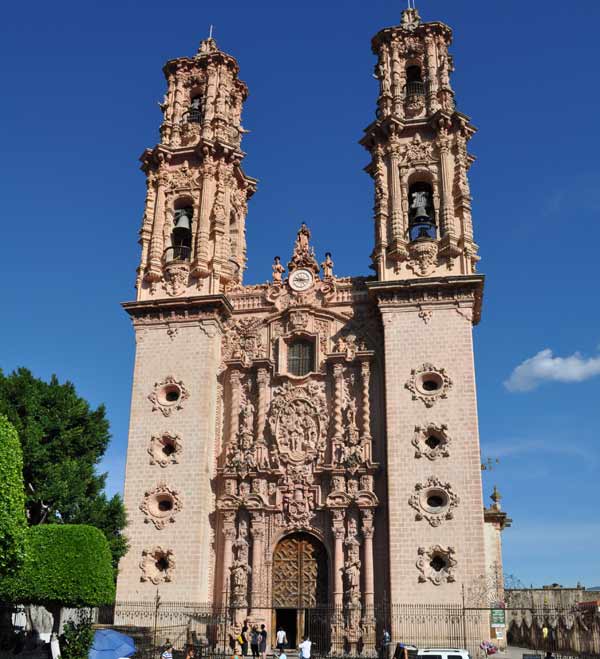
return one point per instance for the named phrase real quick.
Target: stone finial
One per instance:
(208, 46)
(410, 19)
(304, 254)
(496, 497)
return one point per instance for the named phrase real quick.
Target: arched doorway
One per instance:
(300, 585)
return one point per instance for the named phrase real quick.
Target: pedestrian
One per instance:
(168, 652)
(244, 639)
(305, 648)
(281, 639)
(262, 643)
(254, 641)
(386, 640)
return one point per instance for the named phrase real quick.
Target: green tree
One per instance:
(13, 523)
(66, 565)
(63, 441)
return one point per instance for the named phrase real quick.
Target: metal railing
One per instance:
(177, 253)
(416, 88)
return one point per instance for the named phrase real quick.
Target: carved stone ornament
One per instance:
(423, 257)
(434, 501)
(168, 395)
(431, 441)
(157, 565)
(419, 151)
(160, 505)
(165, 449)
(176, 278)
(436, 564)
(298, 420)
(242, 341)
(429, 384)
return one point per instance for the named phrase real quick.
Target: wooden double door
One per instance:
(300, 585)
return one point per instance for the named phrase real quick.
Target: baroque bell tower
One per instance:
(193, 235)
(419, 165)
(429, 298)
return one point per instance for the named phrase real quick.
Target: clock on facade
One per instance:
(301, 279)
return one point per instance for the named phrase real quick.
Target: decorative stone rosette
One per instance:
(429, 384)
(434, 501)
(168, 395)
(431, 441)
(436, 564)
(160, 505)
(157, 565)
(165, 449)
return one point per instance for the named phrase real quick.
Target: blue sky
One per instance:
(81, 83)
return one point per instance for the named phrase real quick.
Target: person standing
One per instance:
(305, 648)
(262, 643)
(168, 653)
(281, 639)
(254, 641)
(244, 639)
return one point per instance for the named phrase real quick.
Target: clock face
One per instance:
(301, 280)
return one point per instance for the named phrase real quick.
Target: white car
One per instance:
(443, 653)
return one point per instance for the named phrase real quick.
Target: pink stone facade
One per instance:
(314, 440)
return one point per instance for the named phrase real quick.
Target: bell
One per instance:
(421, 214)
(182, 222)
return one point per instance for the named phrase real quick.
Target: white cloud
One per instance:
(544, 367)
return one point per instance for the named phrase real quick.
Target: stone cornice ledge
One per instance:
(462, 291)
(189, 309)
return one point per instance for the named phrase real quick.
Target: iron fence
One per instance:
(212, 631)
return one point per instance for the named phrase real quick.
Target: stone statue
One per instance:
(327, 266)
(278, 270)
(303, 239)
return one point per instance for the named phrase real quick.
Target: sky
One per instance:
(81, 84)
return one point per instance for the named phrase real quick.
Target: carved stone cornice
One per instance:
(450, 292)
(186, 310)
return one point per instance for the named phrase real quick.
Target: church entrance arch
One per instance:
(300, 585)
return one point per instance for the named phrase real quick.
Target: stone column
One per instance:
(369, 619)
(234, 409)
(339, 534)
(156, 244)
(229, 535)
(395, 194)
(262, 379)
(365, 371)
(338, 430)
(368, 531)
(208, 170)
(258, 538)
(337, 624)
(447, 215)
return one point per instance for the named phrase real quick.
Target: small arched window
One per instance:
(181, 237)
(421, 215)
(414, 81)
(196, 110)
(301, 357)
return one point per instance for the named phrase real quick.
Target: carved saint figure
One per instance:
(302, 242)
(278, 270)
(352, 578)
(327, 266)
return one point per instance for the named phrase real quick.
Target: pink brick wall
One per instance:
(446, 342)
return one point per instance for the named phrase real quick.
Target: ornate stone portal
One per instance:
(298, 456)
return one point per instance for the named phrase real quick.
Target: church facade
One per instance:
(311, 441)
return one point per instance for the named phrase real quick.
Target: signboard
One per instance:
(498, 618)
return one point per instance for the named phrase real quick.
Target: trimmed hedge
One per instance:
(66, 564)
(13, 522)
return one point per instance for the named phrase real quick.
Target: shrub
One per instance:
(76, 639)
(66, 565)
(13, 522)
